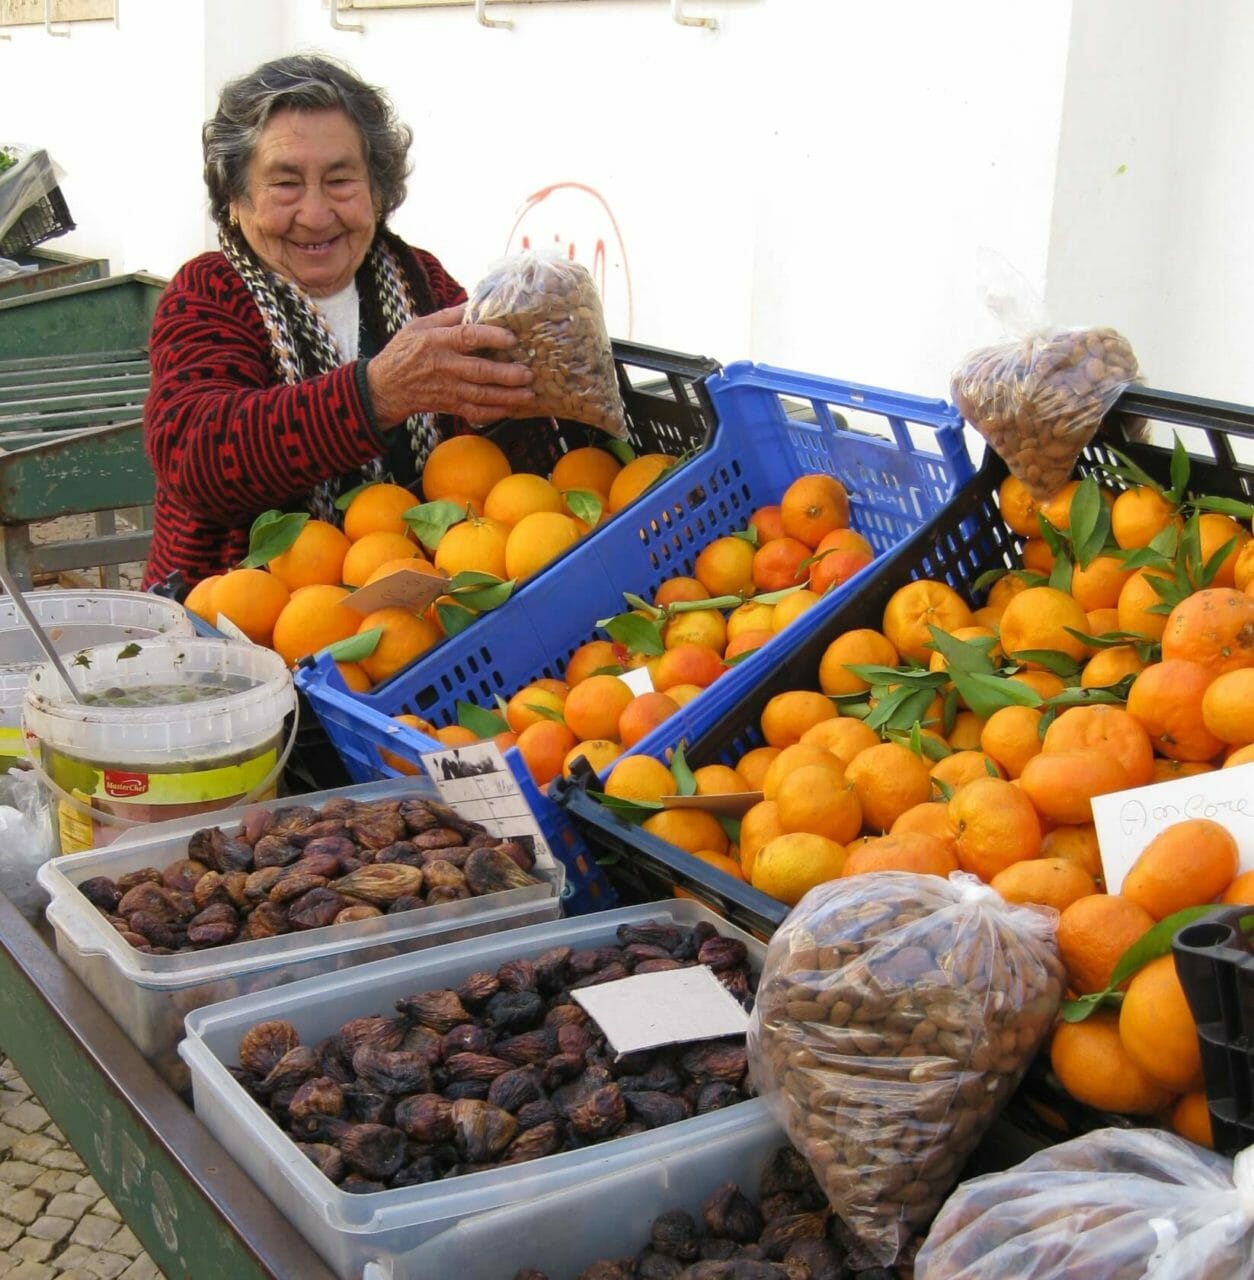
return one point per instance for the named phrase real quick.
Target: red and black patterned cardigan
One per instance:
(226, 438)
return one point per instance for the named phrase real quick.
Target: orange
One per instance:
(1242, 755)
(812, 506)
(533, 703)
(405, 636)
(476, 544)
(456, 735)
(544, 747)
(253, 600)
(378, 508)
(683, 694)
(588, 469)
(1044, 684)
(317, 555)
(750, 616)
(725, 566)
(788, 715)
(798, 755)
(1213, 627)
(1018, 507)
(463, 466)
(964, 766)
(1097, 585)
(1185, 865)
(835, 568)
(1157, 1027)
(399, 763)
(679, 590)
(687, 664)
(1057, 510)
(1109, 729)
(199, 599)
(1108, 666)
(752, 766)
(696, 626)
(965, 735)
(1167, 699)
(1004, 590)
(766, 522)
(792, 606)
(1045, 882)
(1102, 621)
(1036, 556)
(912, 851)
(1228, 707)
(728, 864)
(1012, 737)
(747, 642)
(931, 818)
(1241, 891)
(758, 827)
(640, 778)
(994, 826)
(313, 618)
(862, 646)
(371, 550)
(520, 494)
(1061, 784)
(1190, 1118)
(888, 779)
(600, 753)
(812, 799)
(593, 707)
(1077, 844)
(1093, 1066)
(1093, 934)
(1139, 515)
(844, 737)
(389, 567)
(789, 866)
(718, 780)
(553, 685)
(1140, 604)
(688, 829)
(916, 606)
(1040, 618)
(642, 715)
(636, 477)
(1243, 570)
(777, 564)
(1169, 770)
(355, 679)
(592, 659)
(1214, 532)
(537, 539)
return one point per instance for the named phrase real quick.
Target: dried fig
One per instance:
(292, 1069)
(316, 909)
(102, 893)
(478, 988)
(376, 1031)
(491, 871)
(275, 850)
(400, 851)
(729, 1214)
(425, 1117)
(263, 1045)
(513, 1089)
(320, 1096)
(715, 1060)
(517, 975)
(377, 829)
(531, 1144)
(656, 1109)
(443, 893)
(599, 1114)
(374, 1150)
(328, 1159)
(183, 874)
(267, 920)
(254, 823)
(475, 1066)
(380, 885)
(481, 1131)
(392, 1071)
(439, 1010)
(514, 1010)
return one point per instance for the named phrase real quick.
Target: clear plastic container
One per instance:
(351, 1230)
(148, 995)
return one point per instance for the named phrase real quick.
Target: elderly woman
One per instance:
(317, 349)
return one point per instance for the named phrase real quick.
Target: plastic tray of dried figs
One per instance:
(453, 1141)
(148, 992)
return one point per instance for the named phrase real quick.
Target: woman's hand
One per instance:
(428, 367)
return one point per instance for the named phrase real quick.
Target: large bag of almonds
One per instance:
(896, 1014)
(552, 306)
(1039, 397)
(1115, 1204)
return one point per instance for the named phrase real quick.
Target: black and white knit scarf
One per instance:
(303, 345)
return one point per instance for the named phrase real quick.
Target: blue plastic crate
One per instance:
(900, 456)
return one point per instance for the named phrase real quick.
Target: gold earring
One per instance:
(234, 218)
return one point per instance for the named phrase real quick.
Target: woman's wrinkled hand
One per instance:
(429, 366)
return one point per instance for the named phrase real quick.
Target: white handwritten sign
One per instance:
(1127, 821)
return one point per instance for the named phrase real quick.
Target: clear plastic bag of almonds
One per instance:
(896, 1014)
(552, 306)
(1114, 1204)
(1039, 397)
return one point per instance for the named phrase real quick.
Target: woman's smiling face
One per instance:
(309, 214)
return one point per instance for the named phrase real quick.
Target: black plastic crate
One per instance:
(1216, 969)
(49, 216)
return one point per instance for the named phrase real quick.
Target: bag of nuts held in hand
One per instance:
(552, 306)
(1119, 1204)
(1039, 398)
(896, 1014)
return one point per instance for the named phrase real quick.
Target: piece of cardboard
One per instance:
(404, 589)
(653, 1009)
(734, 804)
(638, 680)
(1126, 821)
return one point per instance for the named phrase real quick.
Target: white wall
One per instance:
(806, 185)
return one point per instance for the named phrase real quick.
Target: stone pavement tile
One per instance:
(54, 1181)
(9, 1231)
(77, 1274)
(30, 1271)
(8, 1071)
(106, 1265)
(88, 1186)
(7, 1263)
(31, 1146)
(104, 1209)
(17, 1173)
(8, 1136)
(48, 1227)
(143, 1268)
(33, 1249)
(94, 1231)
(63, 1158)
(73, 1258)
(125, 1242)
(23, 1206)
(27, 1116)
(55, 1134)
(69, 1205)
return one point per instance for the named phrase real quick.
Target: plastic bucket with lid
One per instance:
(73, 619)
(168, 727)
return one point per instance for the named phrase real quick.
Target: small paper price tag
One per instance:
(672, 1007)
(406, 589)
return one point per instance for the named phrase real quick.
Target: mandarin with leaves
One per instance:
(463, 466)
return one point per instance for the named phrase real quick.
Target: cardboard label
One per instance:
(405, 589)
(735, 804)
(229, 629)
(638, 680)
(1126, 821)
(654, 1009)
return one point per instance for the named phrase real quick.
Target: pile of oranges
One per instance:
(745, 588)
(480, 516)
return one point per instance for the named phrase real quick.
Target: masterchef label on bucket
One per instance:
(161, 729)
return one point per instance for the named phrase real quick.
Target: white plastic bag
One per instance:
(27, 839)
(1040, 397)
(1115, 1204)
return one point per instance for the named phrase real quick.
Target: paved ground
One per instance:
(55, 1223)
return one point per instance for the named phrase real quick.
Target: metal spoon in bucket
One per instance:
(6, 579)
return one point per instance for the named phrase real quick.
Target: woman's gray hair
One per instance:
(306, 82)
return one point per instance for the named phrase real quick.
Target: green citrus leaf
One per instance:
(1179, 472)
(430, 521)
(1077, 697)
(272, 533)
(774, 597)
(1062, 572)
(631, 810)
(1224, 507)
(749, 534)
(621, 450)
(345, 500)
(1215, 563)
(354, 648)
(987, 578)
(963, 655)
(1090, 522)
(1079, 1009)
(943, 789)
(637, 634)
(730, 825)
(714, 602)
(1108, 639)
(1061, 664)
(583, 505)
(454, 618)
(545, 713)
(985, 693)
(1054, 537)
(685, 783)
(485, 597)
(917, 678)
(480, 722)
(639, 602)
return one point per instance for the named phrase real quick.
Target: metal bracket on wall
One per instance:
(677, 13)
(337, 25)
(481, 16)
